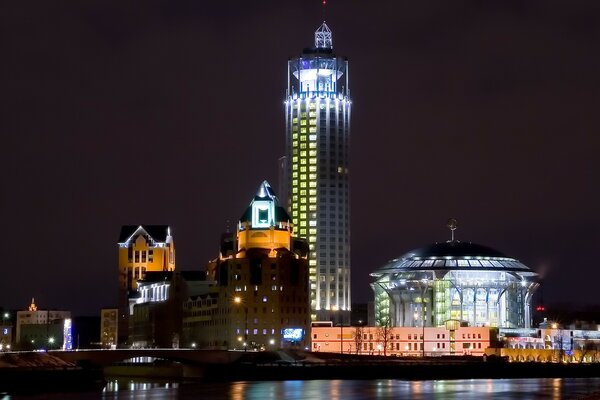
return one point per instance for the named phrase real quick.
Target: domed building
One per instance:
(454, 281)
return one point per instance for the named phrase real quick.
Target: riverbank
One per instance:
(23, 373)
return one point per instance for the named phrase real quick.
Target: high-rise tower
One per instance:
(318, 139)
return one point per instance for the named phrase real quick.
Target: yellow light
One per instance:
(237, 299)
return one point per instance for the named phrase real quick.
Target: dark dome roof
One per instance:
(454, 249)
(453, 255)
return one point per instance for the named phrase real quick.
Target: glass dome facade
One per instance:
(457, 281)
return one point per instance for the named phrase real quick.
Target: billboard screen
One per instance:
(293, 334)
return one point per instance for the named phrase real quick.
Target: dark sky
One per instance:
(171, 112)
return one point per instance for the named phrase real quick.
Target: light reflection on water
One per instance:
(496, 389)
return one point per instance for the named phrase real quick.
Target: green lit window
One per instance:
(302, 184)
(303, 216)
(312, 176)
(295, 159)
(312, 192)
(303, 193)
(312, 168)
(295, 174)
(295, 197)
(295, 120)
(312, 239)
(294, 190)
(311, 161)
(295, 167)
(313, 106)
(312, 207)
(303, 153)
(312, 153)
(303, 145)
(303, 115)
(312, 184)
(303, 177)
(295, 143)
(302, 169)
(303, 138)
(312, 262)
(303, 200)
(303, 231)
(312, 145)
(313, 121)
(312, 129)
(312, 199)
(312, 231)
(295, 136)
(303, 207)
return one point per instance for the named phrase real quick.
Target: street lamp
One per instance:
(238, 300)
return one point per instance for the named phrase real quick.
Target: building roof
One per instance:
(157, 232)
(453, 255)
(266, 192)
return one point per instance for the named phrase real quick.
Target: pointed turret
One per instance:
(264, 210)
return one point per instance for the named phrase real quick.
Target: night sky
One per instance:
(171, 112)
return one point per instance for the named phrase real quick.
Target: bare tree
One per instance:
(358, 338)
(384, 334)
(587, 346)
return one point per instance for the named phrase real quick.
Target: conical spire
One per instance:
(32, 306)
(323, 37)
(265, 191)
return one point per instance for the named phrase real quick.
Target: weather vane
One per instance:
(452, 225)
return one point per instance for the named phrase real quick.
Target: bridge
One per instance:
(102, 358)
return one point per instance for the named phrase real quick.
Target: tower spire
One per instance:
(323, 37)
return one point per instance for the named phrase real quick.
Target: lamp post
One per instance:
(238, 300)
(423, 334)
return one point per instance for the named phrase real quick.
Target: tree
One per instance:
(358, 338)
(384, 334)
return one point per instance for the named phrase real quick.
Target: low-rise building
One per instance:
(109, 323)
(403, 341)
(43, 329)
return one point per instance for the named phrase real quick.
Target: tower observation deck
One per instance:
(317, 108)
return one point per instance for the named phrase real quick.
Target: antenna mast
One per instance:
(452, 224)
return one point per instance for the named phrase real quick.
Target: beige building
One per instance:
(142, 248)
(260, 298)
(404, 341)
(45, 328)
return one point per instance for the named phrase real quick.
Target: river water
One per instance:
(480, 389)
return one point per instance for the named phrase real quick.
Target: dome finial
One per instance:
(452, 224)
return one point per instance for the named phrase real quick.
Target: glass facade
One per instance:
(454, 281)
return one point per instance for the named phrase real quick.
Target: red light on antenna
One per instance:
(324, 2)
(540, 308)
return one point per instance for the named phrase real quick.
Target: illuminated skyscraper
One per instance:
(318, 137)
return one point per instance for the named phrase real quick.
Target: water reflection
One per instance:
(356, 389)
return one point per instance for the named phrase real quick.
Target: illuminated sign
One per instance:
(67, 335)
(293, 334)
(5, 331)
